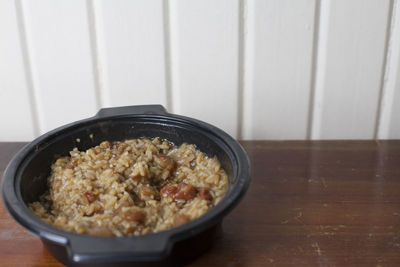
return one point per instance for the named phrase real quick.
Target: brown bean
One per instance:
(146, 192)
(185, 191)
(134, 214)
(98, 212)
(168, 190)
(99, 231)
(135, 175)
(180, 219)
(204, 193)
(90, 196)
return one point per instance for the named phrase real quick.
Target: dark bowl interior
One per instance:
(34, 174)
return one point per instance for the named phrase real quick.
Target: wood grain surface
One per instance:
(310, 203)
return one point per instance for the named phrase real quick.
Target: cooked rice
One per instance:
(134, 187)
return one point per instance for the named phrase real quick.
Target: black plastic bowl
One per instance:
(25, 179)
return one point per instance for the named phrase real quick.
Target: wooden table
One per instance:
(326, 203)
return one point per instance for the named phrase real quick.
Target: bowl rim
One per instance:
(75, 243)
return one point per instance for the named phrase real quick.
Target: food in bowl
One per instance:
(133, 187)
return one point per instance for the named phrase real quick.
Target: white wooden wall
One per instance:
(259, 69)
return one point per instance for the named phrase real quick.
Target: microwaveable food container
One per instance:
(25, 179)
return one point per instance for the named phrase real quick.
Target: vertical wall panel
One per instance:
(131, 51)
(16, 118)
(204, 44)
(349, 70)
(278, 69)
(59, 46)
(389, 126)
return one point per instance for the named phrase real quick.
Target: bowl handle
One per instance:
(83, 249)
(140, 109)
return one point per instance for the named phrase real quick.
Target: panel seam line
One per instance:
(167, 55)
(385, 67)
(96, 67)
(241, 66)
(315, 50)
